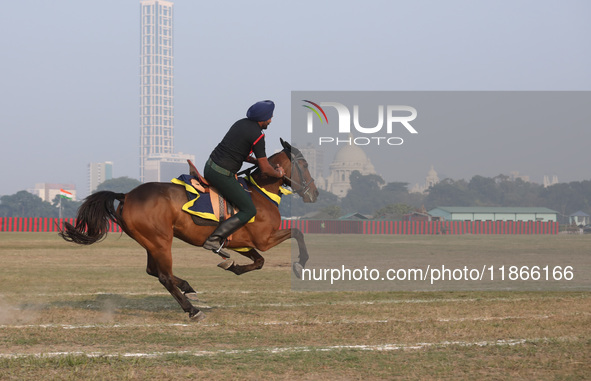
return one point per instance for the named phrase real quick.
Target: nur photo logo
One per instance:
(389, 119)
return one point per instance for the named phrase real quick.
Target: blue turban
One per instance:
(261, 111)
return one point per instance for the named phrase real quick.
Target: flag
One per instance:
(65, 194)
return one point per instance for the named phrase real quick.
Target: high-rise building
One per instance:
(156, 82)
(99, 173)
(157, 158)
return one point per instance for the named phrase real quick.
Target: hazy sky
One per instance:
(70, 83)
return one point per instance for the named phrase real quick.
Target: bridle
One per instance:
(304, 186)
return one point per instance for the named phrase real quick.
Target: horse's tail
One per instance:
(92, 221)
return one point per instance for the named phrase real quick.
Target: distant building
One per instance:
(156, 84)
(430, 181)
(515, 175)
(354, 216)
(48, 191)
(420, 215)
(489, 213)
(579, 218)
(548, 182)
(348, 159)
(163, 168)
(98, 173)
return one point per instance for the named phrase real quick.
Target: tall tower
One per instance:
(156, 82)
(99, 173)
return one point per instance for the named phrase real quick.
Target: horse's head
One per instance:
(297, 175)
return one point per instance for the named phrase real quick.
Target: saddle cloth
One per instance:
(205, 202)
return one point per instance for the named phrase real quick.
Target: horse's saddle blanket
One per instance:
(206, 202)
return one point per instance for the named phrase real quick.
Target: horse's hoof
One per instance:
(297, 269)
(192, 296)
(226, 264)
(198, 316)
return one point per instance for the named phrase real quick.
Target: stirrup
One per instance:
(219, 251)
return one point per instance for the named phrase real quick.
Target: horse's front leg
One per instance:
(257, 259)
(299, 237)
(303, 257)
(285, 234)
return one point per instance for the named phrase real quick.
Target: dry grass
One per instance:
(71, 312)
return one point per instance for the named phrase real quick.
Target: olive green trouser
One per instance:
(225, 182)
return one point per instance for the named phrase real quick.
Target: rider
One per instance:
(244, 138)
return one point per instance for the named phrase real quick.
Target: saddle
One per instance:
(199, 182)
(207, 206)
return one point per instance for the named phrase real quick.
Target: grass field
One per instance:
(72, 312)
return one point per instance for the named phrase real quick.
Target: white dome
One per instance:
(351, 154)
(348, 159)
(432, 172)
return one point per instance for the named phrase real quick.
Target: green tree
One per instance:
(331, 212)
(25, 204)
(397, 193)
(485, 191)
(520, 193)
(567, 198)
(394, 212)
(449, 193)
(118, 185)
(293, 205)
(365, 195)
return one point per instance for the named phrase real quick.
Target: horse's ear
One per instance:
(285, 144)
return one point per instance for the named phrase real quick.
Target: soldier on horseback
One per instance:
(244, 138)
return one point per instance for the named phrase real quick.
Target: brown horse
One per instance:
(151, 214)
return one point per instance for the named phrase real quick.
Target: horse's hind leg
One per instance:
(257, 259)
(160, 265)
(182, 284)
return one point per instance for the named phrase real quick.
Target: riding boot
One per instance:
(216, 240)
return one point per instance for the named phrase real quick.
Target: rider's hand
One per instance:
(280, 170)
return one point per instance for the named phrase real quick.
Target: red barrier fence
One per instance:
(422, 227)
(37, 224)
(19, 224)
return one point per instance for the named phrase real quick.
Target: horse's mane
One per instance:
(288, 149)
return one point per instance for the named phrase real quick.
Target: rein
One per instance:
(303, 187)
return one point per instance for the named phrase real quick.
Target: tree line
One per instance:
(25, 204)
(371, 195)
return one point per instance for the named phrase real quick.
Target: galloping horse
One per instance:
(151, 214)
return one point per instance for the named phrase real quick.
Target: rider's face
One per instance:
(265, 124)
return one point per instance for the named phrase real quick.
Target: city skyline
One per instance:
(72, 94)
